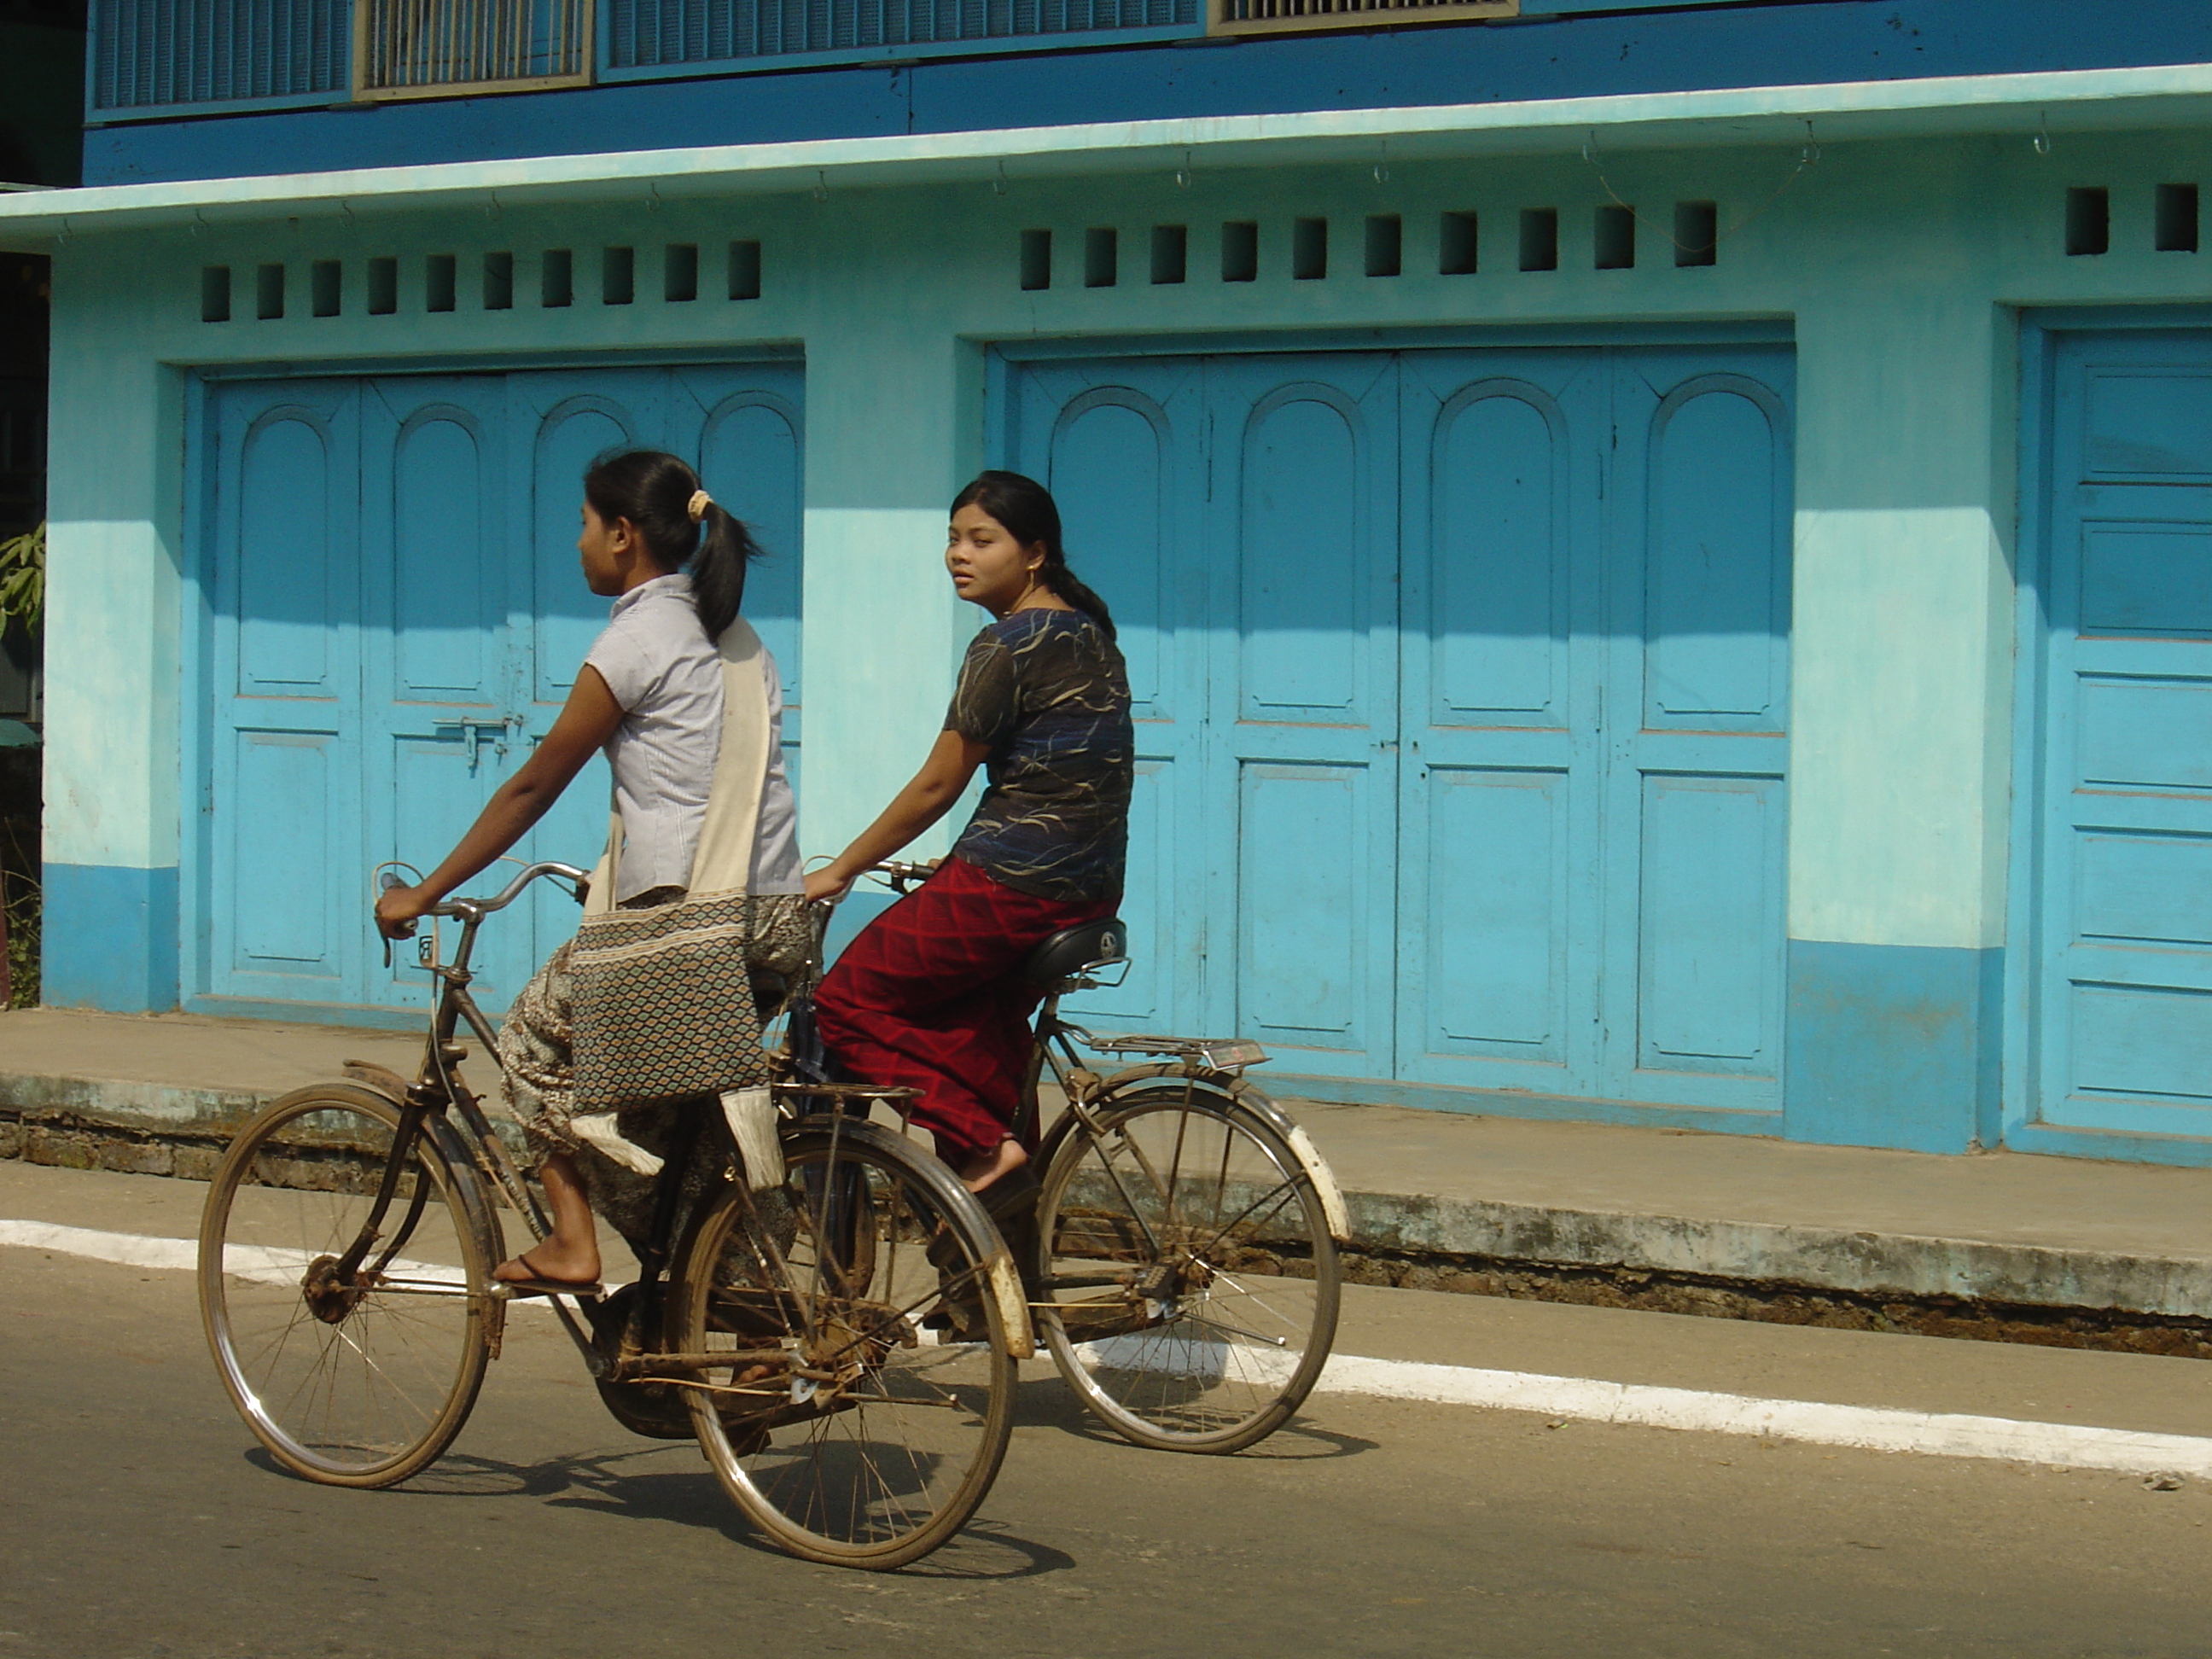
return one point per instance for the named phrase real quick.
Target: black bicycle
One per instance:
(1181, 1260)
(789, 1314)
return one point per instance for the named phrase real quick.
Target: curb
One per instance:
(1757, 1271)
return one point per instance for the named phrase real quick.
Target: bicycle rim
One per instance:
(847, 1428)
(355, 1384)
(1188, 1286)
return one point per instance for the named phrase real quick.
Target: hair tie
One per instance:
(697, 505)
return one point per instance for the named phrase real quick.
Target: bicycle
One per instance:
(785, 1322)
(1183, 1264)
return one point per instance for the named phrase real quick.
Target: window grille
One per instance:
(434, 48)
(1292, 16)
(645, 32)
(146, 53)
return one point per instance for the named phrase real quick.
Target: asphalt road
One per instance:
(136, 1517)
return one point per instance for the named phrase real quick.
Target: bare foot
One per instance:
(981, 1170)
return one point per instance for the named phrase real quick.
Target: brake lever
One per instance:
(385, 883)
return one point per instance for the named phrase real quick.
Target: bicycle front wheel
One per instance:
(1188, 1283)
(359, 1381)
(867, 1393)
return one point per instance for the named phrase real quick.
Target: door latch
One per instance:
(476, 734)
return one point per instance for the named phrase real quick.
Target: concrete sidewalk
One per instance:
(2031, 1248)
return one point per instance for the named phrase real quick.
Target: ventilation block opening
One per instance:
(1455, 244)
(2177, 219)
(1240, 251)
(1540, 239)
(744, 270)
(1386, 242)
(1037, 258)
(1613, 238)
(556, 278)
(1102, 257)
(2088, 219)
(1697, 233)
(1170, 253)
(617, 276)
(679, 272)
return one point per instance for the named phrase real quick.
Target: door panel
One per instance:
(284, 800)
(438, 659)
(1498, 908)
(1122, 448)
(1696, 814)
(1304, 702)
(2124, 998)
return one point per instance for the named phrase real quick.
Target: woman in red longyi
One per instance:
(930, 995)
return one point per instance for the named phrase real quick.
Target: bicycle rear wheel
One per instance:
(359, 1383)
(872, 1435)
(1188, 1285)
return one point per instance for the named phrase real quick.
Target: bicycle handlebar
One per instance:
(900, 874)
(466, 908)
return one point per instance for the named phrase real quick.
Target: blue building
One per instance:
(1665, 553)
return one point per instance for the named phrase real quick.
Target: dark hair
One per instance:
(1027, 510)
(653, 490)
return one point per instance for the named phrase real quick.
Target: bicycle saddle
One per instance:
(1073, 950)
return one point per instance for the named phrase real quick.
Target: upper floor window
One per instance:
(413, 48)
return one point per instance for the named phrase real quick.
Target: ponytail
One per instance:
(718, 569)
(1027, 510)
(656, 492)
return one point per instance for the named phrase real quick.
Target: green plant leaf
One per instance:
(23, 577)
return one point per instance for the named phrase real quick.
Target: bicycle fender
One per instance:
(1013, 1305)
(1332, 1210)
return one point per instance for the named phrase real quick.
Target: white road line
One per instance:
(1866, 1428)
(1941, 1434)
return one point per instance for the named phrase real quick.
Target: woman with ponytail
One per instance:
(697, 910)
(930, 995)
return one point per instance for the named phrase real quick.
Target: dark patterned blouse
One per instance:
(1046, 692)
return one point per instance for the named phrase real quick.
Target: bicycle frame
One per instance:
(438, 1089)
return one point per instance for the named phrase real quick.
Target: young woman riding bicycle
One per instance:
(684, 701)
(930, 995)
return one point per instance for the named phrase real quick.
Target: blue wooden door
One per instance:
(2122, 1026)
(1476, 668)
(1302, 678)
(440, 666)
(282, 806)
(1122, 448)
(1595, 642)
(1694, 719)
(1505, 659)
(392, 636)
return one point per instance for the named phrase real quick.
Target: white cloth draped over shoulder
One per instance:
(659, 988)
(722, 863)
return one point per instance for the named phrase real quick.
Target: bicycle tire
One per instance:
(362, 1384)
(837, 1271)
(1186, 1282)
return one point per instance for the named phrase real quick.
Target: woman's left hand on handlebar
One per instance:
(397, 908)
(825, 885)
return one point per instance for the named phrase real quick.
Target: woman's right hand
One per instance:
(398, 908)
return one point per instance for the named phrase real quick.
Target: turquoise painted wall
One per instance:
(1901, 268)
